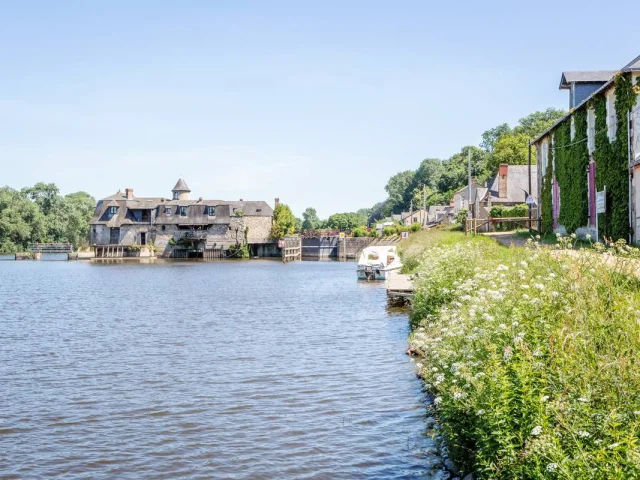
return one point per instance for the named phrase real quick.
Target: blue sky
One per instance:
(315, 103)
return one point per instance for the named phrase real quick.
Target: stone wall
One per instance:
(350, 247)
(220, 235)
(259, 229)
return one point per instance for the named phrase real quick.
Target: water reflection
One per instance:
(191, 369)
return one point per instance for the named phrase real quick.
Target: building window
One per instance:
(211, 211)
(573, 128)
(545, 156)
(167, 210)
(591, 130)
(164, 228)
(113, 210)
(183, 211)
(612, 119)
(176, 196)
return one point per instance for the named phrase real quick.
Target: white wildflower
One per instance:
(552, 467)
(537, 430)
(584, 434)
(437, 400)
(480, 412)
(545, 398)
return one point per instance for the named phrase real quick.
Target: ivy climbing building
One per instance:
(596, 145)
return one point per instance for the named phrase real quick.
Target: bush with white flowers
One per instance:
(533, 359)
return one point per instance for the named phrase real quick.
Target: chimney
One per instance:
(277, 202)
(129, 193)
(503, 170)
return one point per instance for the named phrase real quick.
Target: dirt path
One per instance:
(508, 239)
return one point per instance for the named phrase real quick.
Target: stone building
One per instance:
(179, 222)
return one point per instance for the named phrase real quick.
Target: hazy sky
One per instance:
(317, 103)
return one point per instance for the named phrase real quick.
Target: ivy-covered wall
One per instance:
(612, 159)
(546, 210)
(572, 161)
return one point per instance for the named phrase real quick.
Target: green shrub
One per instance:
(462, 215)
(389, 231)
(416, 227)
(238, 251)
(532, 359)
(359, 232)
(373, 233)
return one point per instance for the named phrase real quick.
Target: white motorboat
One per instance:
(376, 263)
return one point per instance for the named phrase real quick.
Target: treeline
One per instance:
(438, 179)
(41, 214)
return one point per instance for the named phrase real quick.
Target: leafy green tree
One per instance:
(491, 136)
(398, 188)
(537, 122)
(380, 210)
(346, 222)
(284, 223)
(512, 149)
(310, 219)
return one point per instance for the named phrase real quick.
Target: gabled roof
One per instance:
(517, 185)
(632, 66)
(181, 186)
(596, 76)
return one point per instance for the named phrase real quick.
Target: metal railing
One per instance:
(50, 248)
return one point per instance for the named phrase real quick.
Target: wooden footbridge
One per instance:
(50, 248)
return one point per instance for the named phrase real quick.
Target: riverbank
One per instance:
(531, 357)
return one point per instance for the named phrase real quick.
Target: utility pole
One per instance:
(530, 193)
(424, 203)
(469, 187)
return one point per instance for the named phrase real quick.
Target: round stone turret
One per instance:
(181, 190)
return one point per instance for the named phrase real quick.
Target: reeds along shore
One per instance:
(531, 357)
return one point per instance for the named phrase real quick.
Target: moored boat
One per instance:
(376, 263)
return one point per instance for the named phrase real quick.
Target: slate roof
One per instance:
(181, 186)
(517, 184)
(196, 210)
(597, 76)
(476, 190)
(632, 66)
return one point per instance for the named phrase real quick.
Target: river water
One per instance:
(205, 370)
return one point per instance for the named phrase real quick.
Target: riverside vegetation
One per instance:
(530, 355)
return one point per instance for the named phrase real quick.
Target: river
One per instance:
(250, 369)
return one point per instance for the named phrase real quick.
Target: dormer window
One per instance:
(183, 211)
(167, 210)
(211, 211)
(176, 195)
(113, 210)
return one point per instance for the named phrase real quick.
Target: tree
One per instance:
(346, 222)
(537, 122)
(512, 149)
(284, 223)
(398, 188)
(79, 209)
(379, 211)
(310, 219)
(491, 136)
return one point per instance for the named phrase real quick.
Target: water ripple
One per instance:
(205, 370)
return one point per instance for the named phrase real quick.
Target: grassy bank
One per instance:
(532, 357)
